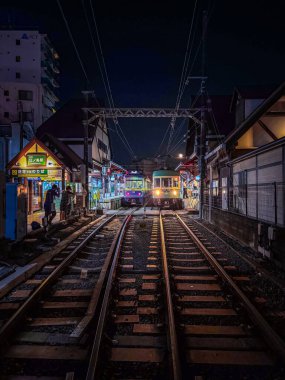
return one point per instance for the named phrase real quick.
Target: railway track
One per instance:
(46, 335)
(184, 317)
(170, 304)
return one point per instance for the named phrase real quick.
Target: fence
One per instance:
(263, 202)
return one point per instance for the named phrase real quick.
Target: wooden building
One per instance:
(246, 175)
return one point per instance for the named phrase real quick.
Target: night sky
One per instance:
(144, 43)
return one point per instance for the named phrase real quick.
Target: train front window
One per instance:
(156, 182)
(134, 184)
(175, 182)
(165, 182)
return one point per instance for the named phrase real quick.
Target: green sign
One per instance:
(29, 172)
(36, 159)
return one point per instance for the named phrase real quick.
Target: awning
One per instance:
(117, 168)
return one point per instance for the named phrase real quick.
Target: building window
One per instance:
(6, 115)
(18, 58)
(6, 92)
(25, 95)
(215, 187)
(18, 75)
(18, 42)
(102, 146)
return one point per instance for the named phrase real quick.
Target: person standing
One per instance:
(49, 205)
(65, 203)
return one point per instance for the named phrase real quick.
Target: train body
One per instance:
(137, 190)
(166, 189)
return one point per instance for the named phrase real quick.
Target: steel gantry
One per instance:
(114, 113)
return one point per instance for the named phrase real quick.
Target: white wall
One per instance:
(30, 52)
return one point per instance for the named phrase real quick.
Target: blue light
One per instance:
(197, 178)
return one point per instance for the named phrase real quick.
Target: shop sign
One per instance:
(55, 174)
(36, 159)
(29, 172)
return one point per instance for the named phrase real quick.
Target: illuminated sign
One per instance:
(36, 159)
(29, 172)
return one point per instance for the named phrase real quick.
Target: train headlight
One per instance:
(174, 192)
(157, 192)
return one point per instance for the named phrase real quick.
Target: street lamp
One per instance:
(180, 155)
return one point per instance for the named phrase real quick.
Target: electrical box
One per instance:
(16, 211)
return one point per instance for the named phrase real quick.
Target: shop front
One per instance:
(191, 183)
(37, 169)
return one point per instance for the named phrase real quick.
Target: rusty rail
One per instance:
(174, 351)
(10, 326)
(93, 362)
(274, 341)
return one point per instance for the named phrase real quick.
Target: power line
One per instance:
(72, 40)
(106, 82)
(182, 78)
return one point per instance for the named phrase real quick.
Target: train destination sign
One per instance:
(36, 159)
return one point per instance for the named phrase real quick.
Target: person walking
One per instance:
(49, 205)
(65, 203)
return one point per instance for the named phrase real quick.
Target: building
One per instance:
(36, 168)
(245, 175)
(66, 125)
(144, 165)
(28, 72)
(219, 121)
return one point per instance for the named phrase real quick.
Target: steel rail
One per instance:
(174, 351)
(94, 357)
(90, 313)
(275, 342)
(10, 326)
(256, 266)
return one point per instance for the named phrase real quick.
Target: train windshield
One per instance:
(134, 184)
(156, 182)
(175, 182)
(166, 182)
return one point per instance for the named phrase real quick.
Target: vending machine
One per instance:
(16, 211)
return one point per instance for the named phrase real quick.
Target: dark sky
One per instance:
(144, 44)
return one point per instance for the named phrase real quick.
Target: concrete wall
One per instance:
(246, 230)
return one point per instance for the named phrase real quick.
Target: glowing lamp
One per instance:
(139, 193)
(157, 192)
(174, 192)
(127, 193)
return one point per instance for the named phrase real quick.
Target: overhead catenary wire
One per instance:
(182, 78)
(125, 143)
(107, 84)
(73, 42)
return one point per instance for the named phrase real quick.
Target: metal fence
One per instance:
(264, 202)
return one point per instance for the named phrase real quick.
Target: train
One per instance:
(137, 190)
(167, 189)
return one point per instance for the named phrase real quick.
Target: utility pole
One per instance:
(203, 118)
(86, 148)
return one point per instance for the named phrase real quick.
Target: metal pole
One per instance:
(86, 147)
(203, 119)
(21, 128)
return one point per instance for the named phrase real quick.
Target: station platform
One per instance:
(37, 217)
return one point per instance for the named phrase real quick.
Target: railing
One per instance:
(263, 202)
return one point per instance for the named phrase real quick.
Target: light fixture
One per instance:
(157, 192)
(174, 192)
(180, 155)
